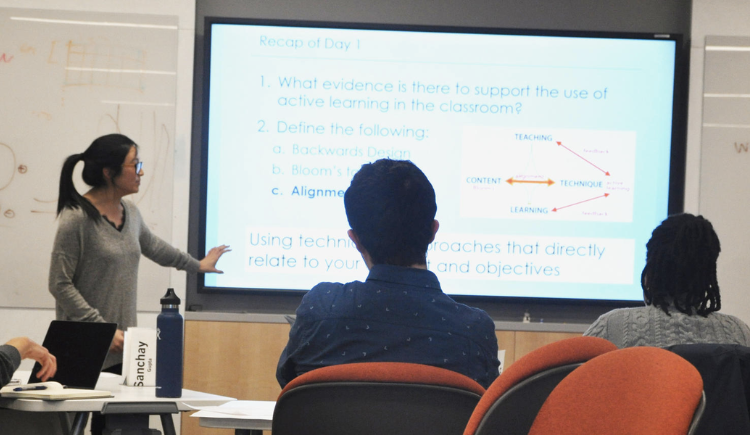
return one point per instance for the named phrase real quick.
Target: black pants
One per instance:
(97, 419)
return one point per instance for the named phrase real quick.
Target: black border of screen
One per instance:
(678, 146)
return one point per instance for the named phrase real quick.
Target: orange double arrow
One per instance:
(512, 180)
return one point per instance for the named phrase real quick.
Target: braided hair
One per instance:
(681, 266)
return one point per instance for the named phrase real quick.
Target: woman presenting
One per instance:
(100, 239)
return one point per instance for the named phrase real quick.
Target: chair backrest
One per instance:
(725, 369)
(376, 398)
(511, 403)
(638, 390)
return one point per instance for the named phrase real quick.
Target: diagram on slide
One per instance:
(547, 174)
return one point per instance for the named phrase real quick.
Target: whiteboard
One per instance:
(65, 79)
(725, 164)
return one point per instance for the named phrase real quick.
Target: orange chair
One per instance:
(511, 403)
(376, 398)
(638, 390)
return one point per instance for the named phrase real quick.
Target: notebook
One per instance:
(50, 391)
(80, 349)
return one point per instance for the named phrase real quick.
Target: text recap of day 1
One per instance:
(312, 43)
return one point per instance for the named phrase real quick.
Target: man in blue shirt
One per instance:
(400, 313)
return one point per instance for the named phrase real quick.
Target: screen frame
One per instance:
(677, 152)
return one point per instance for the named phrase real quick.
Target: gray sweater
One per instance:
(10, 359)
(94, 271)
(650, 326)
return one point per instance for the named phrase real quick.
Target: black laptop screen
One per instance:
(80, 349)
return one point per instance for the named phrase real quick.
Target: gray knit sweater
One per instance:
(94, 270)
(650, 326)
(10, 359)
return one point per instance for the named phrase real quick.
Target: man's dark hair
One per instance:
(390, 205)
(681, 266)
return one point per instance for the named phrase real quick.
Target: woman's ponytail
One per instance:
(69, 196)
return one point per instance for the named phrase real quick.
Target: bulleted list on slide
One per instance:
(543, 152)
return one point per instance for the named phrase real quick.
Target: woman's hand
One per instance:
(30, 349)
(208, 264)
(117, 342)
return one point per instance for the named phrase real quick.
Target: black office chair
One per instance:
(378, 399)
(725, 370)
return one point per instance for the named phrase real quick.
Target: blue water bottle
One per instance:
(169, 347)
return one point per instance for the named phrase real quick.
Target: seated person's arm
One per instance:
(494, 363)
(488, 349)
(10, 359)
(287, 367)
(297, 356)
(20, 348)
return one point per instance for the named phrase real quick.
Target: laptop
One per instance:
(80, 349)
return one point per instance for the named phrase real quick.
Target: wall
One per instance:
(710, 17)
(14, 320)
(64, 84)
(717, 18)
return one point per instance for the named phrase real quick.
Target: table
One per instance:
(129, 407)
(246, 417)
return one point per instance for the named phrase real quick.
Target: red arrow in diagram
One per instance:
(581, 202)
(605, 172)
(512, 180)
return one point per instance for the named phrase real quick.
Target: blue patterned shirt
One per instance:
(399, 314)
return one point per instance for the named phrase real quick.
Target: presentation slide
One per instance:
(549, 155)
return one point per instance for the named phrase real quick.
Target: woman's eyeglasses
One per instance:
(138, 166)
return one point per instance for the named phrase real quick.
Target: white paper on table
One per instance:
(501, 358)
(244, 409)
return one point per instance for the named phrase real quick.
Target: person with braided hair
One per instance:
(680, 290)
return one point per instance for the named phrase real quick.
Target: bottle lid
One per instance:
(170, 298)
